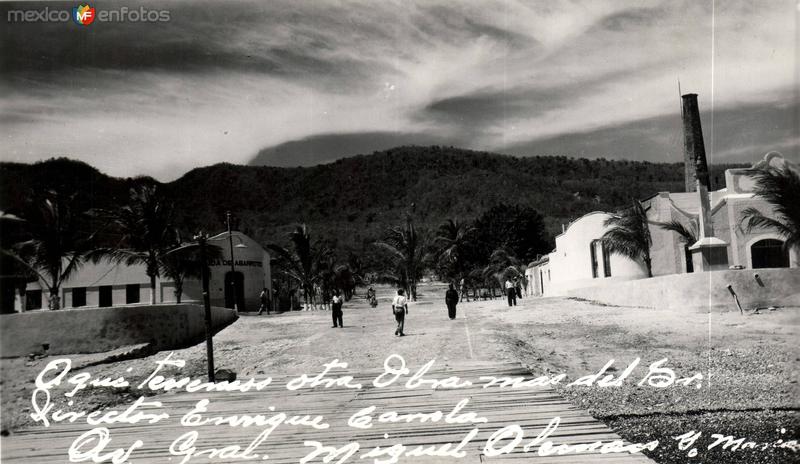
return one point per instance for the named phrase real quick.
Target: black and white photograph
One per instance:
(390, 231)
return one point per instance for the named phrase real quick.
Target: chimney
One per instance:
(694, 151)
(709, 253)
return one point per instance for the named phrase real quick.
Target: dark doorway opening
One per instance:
(105, 296)
(33, 300)
(8, 289)
(234, 290)
(132, 294)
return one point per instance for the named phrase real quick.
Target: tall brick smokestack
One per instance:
(694, 151)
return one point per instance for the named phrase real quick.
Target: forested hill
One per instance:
(352, 200)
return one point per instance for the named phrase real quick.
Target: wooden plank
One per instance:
(530, 408)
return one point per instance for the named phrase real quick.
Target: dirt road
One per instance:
(749, 363)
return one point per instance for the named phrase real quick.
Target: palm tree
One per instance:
(451, 242)
(406, 247)
(184, 262)
(357, 269)
(304, 262)
(781, 188)
(55, 246)
(145, 233)
(629, 235)
(13, 273)
(502, 266)
(345, 280)
(325, 275)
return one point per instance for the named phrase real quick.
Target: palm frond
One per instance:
(688, 234)
(629, 234)
(780, 187)
(755, 219)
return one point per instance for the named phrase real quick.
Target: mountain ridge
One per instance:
(352, 200)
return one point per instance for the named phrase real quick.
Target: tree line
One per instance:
(53, 236)
(475, 255)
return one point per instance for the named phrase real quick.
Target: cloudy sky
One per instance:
(302, 82)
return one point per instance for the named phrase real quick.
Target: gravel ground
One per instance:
(749, 363)
(763, 428)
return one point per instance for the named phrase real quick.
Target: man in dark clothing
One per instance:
(451, 300)
(264, 297)
(336, 308)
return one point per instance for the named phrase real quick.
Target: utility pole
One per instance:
(233, 266)
(202, 242)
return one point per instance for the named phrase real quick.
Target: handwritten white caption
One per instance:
(95, 444)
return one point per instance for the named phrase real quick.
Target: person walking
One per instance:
(451, 300)
(511, 292)
(264, 297)
(400, 309)
(336, 308)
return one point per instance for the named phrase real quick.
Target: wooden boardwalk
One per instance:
(530, 408)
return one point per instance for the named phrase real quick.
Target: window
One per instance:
(593, 254)
(131, 293)
(33, 300)
(769, 253)
(105, 296)
(78, 297)
(606, 260)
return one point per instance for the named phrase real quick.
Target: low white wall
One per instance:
(93, 330)
(702, 291)
(564, 288)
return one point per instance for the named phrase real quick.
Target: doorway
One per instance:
(105, 297)
(234, 290)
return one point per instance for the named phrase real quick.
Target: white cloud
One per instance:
(280, 72)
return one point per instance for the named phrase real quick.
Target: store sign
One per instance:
(238, 262)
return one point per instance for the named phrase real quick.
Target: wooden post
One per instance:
(202, 242)
(735, 299)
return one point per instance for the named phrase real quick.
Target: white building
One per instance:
(108, 283)
(580, 260)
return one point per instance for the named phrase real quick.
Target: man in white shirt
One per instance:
(511, 292)
(336, 308)
(400, 309)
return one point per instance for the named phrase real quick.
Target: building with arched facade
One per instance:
(580, 260)
(740, 248)
(718, 239)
